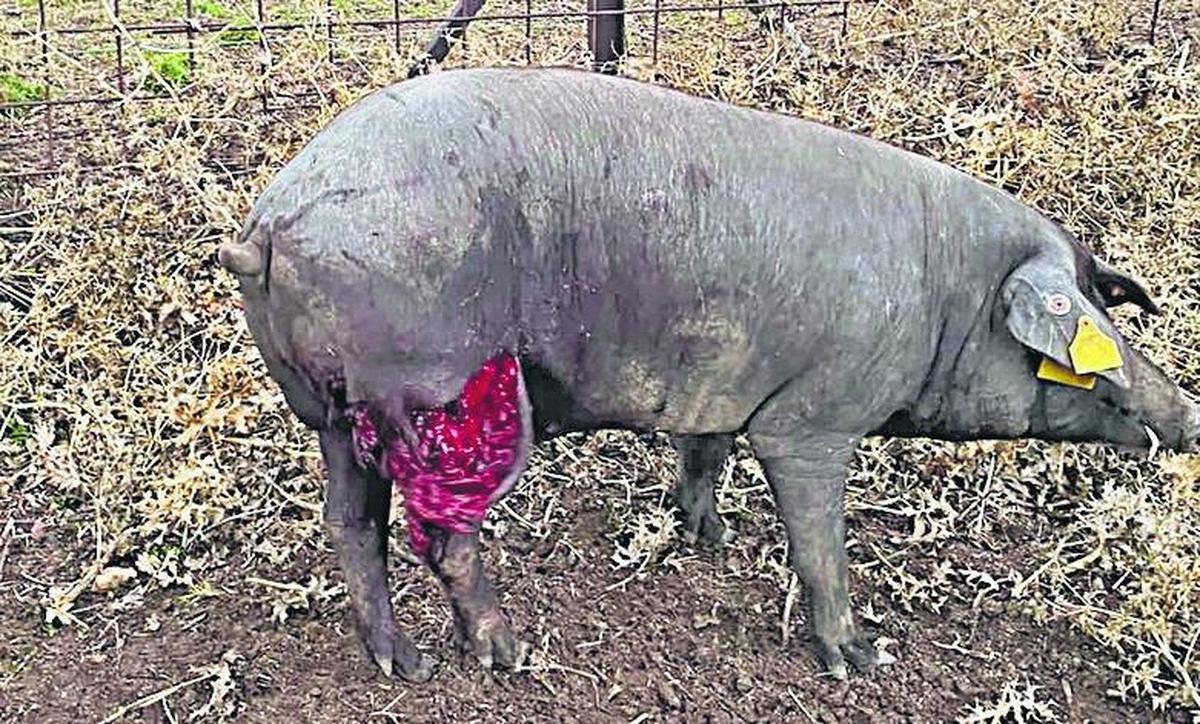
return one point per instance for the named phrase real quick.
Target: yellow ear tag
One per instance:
(1053, 371)
(1093, 350)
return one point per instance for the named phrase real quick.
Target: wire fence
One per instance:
(62, 62)
(261, 25)
(100, 40)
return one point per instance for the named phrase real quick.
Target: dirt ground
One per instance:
(693, 646)
(161, 551)
(697, 640)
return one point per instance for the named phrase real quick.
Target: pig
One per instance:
(616, 254)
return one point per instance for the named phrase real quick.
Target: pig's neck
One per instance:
(974, 387)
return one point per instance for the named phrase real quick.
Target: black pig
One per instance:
(652, 260)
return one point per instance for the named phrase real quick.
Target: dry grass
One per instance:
(137, 417)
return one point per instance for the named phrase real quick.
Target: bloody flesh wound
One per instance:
(464, 453)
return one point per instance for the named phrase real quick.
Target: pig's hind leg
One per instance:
(357, 502)
(480, 625)
(700, 460)
(481, 445)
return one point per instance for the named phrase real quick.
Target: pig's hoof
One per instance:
(397, 656)
(422, 672)
(417, 673)
(496, 648)
(859, 652)
(504, 658)
(708, 529)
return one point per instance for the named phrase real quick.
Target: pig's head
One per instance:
(1050, 364)
(1091, 384)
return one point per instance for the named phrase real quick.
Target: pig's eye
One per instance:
(1112, 294)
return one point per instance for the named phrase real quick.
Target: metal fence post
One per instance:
(528, 32)
(116, 6)
(654, 46)
(606, 34)
(329, 31)
(264, 89)
(396, 23)
(191, 36)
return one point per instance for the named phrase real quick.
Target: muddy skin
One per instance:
(479, 625)
(750, 273)
(357, 504)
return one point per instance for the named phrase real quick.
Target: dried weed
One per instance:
(138, 420)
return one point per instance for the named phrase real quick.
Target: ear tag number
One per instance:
(1053, 371)
(1092, 350)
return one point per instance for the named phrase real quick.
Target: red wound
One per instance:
(463, 455)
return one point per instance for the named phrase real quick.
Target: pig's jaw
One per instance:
(466, 454)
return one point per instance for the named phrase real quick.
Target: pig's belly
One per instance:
(655, 392)
(466, 454)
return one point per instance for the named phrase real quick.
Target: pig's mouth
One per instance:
(1144, 447)
(1183, 437)
(1153, 440)
(1147, 434)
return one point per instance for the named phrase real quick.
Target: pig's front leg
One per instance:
(357, 503)
(700, 461)
(479, 623)
(807, 475)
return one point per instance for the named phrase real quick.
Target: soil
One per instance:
(698, 644)
(698, 636)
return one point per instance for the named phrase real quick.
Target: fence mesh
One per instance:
(62, 60)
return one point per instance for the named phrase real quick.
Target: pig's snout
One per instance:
(1191, 432)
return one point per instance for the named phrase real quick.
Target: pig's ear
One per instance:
(1116, 289)
(1043, 310)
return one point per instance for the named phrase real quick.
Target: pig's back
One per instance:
(659, 252)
